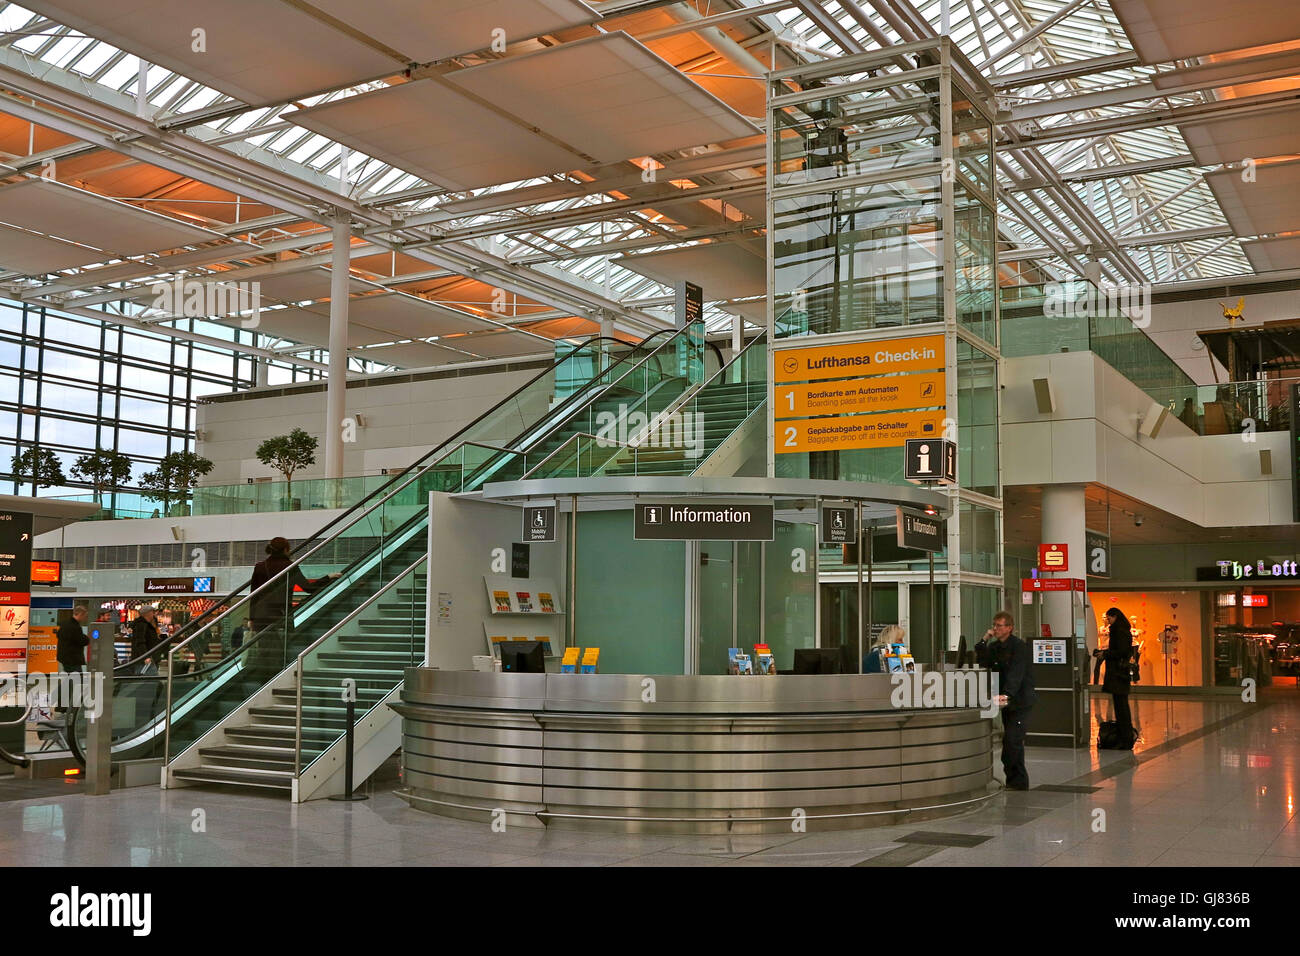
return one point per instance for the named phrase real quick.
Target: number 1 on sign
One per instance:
(789, 396)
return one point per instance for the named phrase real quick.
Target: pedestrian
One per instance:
(1117, 682)
(237, 635)
(72, 642)
(271, 607)
(145, 641)
(1009, 658)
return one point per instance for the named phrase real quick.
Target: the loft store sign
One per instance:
(1238, 570)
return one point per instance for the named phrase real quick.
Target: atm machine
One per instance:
(1061, 668)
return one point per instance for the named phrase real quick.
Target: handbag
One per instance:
(1108, 735)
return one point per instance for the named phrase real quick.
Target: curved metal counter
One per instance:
(695, 754)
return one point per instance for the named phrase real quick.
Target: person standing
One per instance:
(1009, 658)
(1117, 682)
(72, 642)
(271, 606)
(237, 635)
(145, 638)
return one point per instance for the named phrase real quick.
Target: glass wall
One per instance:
(69, 384)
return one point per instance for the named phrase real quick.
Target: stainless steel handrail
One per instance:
(297, 721)
(608, 442)
(416, 474)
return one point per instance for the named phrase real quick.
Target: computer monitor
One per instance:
(523, 657)
(818, 660)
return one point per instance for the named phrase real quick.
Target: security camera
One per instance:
(1137, 520)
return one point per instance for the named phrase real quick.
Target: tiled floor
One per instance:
(1211, 782)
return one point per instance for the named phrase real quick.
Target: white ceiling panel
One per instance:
(1273, 255)
(411, 355)
(1255, 135)
(93, 220)
(440, 135)
(427, 30)
(302, 286)
(724, 270)
(312, 326)
(1269, 204)
(258, 51)
(410, 317)
(34, 255)
(500, 344)
(608, 96)
(1163, 30)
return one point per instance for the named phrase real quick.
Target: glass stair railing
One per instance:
(275, 742)
(391, 536)
(683, 437)
(165, 690)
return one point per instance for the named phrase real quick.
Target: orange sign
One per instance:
(47, 572)
(916, 353)
(42, 650)
(886, 430)
(878, 394)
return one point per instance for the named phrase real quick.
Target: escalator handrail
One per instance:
(414, 474)
(297, 721)
(153, 651)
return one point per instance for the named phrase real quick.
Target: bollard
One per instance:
(347, 795)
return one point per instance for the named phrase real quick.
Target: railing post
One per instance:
(350, 697)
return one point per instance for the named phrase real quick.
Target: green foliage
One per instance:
(175, 475)
(288, 453)
(104, 469)
(39, 467)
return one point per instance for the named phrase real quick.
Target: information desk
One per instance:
(685, 754)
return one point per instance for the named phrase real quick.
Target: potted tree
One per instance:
(173, 479)
(104, 469)
(288, 454)
(40, 467)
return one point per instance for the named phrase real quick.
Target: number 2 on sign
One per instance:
(789, 437)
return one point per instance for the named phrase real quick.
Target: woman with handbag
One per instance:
(1118, 656)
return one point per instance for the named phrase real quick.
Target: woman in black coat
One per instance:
(1119, 652)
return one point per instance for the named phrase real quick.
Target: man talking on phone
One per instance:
(1008, 657)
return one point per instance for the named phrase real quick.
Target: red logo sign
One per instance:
(1053, 557)
(1052, 584)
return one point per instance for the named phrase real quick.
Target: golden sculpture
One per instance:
(1233, 314)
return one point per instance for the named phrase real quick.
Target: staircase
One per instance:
(716, 413)
(257, 749)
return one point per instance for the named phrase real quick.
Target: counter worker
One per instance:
(874, 662)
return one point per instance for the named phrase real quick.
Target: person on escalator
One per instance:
(72, 642)
(270, 620)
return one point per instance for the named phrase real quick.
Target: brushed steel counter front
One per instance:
(701, 754)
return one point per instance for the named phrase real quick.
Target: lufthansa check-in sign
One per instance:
(704, 521)
(920, 531)
(539, 523)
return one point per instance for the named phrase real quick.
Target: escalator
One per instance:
(713, 429)
(341, 621)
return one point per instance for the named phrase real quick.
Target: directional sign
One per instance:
(887, 393)
(874, 357)
(704, 521)
(15, 558)
(889, 429)
(539, 523)
(839, 525)
(1052, 584)
(930, 460)
(920, 531)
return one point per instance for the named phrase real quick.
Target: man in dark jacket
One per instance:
(144, 636)
(1009, 658)
(72, 642)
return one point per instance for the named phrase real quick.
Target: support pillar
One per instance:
(1063, 522)
(336, 385)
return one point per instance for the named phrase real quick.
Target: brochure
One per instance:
(501, 601)
(732, 654)
(590, 657)
(743, 664)
(525, 601)
(569, 663)
(548, 605)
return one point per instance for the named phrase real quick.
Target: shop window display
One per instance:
(1167, 635)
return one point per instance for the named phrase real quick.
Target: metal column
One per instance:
(336, 385)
